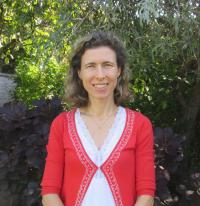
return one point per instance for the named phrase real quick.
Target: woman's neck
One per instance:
(100, 109)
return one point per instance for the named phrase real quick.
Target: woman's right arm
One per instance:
(52, 179)
(51, 200)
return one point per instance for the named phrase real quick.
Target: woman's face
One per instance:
(99, 73)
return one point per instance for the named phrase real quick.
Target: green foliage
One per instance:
(27, 49)
(162, 40)
(35, 82)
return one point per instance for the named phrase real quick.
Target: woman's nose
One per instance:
(100, 72)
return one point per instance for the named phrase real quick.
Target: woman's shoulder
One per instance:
(139, 117)
(63, 115)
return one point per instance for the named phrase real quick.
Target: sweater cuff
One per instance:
(50, 190)
(150, 192)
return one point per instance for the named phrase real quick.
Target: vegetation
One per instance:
(24, 135)
(163, 46)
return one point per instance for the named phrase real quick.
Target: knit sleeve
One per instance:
(145, 172)
(53, 172)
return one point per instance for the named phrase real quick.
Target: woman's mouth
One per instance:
(100, 85)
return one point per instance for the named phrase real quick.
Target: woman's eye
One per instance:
(90, 67)
(109, 66)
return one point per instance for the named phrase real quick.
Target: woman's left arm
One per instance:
(145, 172)
(144, 200)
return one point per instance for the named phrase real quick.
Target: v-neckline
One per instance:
(79, 142)
(89, 136)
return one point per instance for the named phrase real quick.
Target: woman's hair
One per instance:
(75, 93)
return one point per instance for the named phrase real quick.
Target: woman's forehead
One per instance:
(103, 53)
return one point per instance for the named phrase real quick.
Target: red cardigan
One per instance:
(129, 169)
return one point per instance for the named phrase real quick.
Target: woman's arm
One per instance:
(144, 200)
(145, 172)
(51, 200)
(52, 179)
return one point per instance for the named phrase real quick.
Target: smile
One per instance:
(100, 85)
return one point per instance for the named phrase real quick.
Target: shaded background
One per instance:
(163, 46)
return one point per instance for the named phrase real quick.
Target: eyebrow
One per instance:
(89, 63)
(105, 62)
(93, 63)
(108, 62)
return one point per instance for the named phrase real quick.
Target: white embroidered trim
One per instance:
(90, 167)
(107, 167)
(100, 156)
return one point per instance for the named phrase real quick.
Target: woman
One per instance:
(99, 153)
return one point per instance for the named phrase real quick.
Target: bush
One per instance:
(174, 187)
(23, 137)
(35, 81)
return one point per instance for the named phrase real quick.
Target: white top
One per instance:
(99, 193)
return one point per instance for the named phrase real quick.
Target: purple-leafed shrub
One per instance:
(23, 137)
(173, 185)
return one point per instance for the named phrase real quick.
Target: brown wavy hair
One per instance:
(75, 93)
